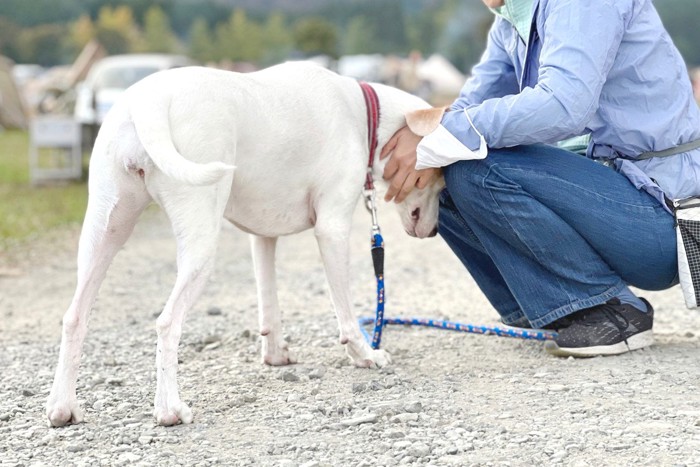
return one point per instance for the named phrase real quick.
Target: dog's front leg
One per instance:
(334, 245)
(275, 350)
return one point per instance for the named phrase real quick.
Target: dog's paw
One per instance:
(63, 413)
(364, 356)
(276, 354)
(169, 416)
(377, 359)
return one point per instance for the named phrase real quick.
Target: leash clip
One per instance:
(370, 196)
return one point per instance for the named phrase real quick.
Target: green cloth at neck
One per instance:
(519, 14)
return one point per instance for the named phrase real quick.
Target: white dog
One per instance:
(296, 138)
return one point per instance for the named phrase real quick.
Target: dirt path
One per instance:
(448, 398)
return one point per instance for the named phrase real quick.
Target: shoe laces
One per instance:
(604, 312)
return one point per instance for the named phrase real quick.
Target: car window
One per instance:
(122, 78)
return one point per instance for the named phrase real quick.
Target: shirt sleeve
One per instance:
(580, 43)
(494, 75)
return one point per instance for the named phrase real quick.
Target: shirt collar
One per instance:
(519, 14)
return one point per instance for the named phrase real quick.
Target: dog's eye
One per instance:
(415, 214)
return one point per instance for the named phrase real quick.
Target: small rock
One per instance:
(123, 407)
(4, 417)
(404, 417)
(413, 407)
(129, 457)
(212, 346)
(317, 373)
(214, 311)
(419, 450)
(98, 406)
(369, 418)
(110, 361)
(210, 339)
(394, 434)
(115, 381)
(359, 387)
(289, 376)
(27, 392)
(76, 447)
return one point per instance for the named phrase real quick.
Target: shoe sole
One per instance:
(635, 342)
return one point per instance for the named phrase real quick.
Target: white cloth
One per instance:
(441, 148)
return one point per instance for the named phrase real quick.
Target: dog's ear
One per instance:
(424, 121)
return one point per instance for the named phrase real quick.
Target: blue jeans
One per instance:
(545, 232)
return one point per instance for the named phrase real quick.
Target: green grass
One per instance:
(27, 211)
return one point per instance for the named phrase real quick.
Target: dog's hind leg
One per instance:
(334, 244)
(275, 350)
(196, 215)
(115, 203)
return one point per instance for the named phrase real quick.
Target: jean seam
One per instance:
(593, 193)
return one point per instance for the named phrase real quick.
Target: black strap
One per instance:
(671, 151)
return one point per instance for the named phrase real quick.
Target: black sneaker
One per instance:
(557, 325)
(608, 329)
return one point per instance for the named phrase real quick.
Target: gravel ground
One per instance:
(447, 399)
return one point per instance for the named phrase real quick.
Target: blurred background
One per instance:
(64, 62)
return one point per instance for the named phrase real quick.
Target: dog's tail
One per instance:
(151, 121)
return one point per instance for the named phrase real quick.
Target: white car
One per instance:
(110, 76)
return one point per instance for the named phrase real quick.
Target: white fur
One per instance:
(297, 136)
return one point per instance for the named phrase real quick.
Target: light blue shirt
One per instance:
(608, 68)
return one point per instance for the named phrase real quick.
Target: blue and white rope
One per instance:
(380, 321)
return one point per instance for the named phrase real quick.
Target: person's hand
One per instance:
(401, 168)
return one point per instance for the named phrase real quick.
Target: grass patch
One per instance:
(27, 211)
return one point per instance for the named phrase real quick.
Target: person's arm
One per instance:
(494, 76)
(581, 39)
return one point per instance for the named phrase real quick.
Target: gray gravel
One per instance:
(447, 399)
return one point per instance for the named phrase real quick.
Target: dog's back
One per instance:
(294, 132)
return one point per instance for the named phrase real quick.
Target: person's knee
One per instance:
(462, 177)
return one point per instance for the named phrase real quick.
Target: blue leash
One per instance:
(380, 321)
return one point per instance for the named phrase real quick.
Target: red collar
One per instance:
(372, 104)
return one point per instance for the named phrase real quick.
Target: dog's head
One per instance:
(419, 211)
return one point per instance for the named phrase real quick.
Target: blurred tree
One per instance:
(388, 19)
(462, 30)
(276, 39)
(360, 37)
(157, 33)
(422, 30)
(82, 31)
(239, 39)
(29, 13)
(315, 35)
(42, 44)
(116, 30)
(8, 38)
(681, 19)
(202, 45)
